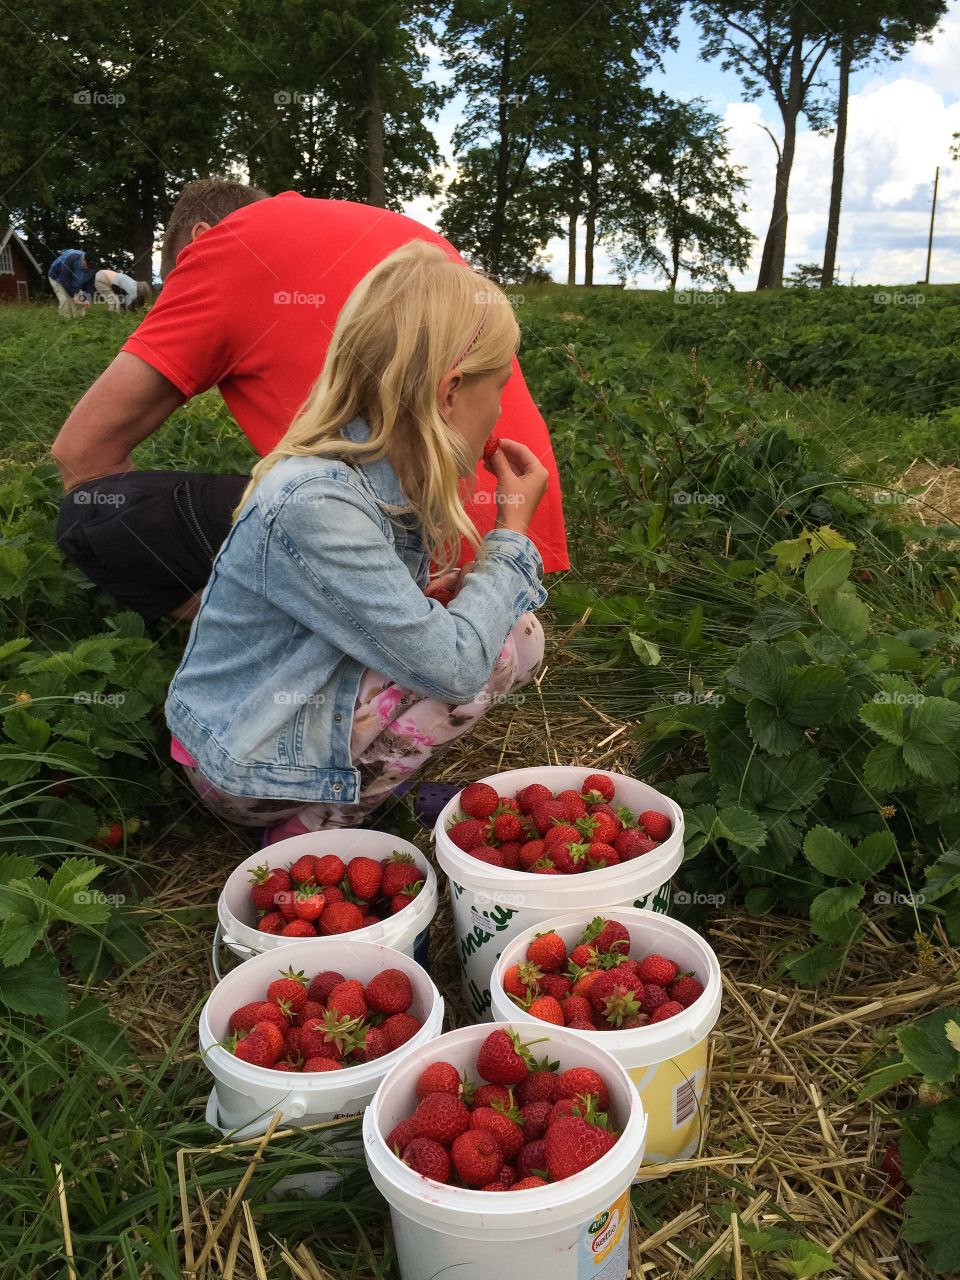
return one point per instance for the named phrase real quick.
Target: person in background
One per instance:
(71, 277)
(320, 673)
(120, 292)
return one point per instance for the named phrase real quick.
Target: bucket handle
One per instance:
(218, 937)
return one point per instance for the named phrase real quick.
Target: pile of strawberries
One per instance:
(553, 834)
(325, 895)
(598, 986)
(327, 1024)
(526, 1125)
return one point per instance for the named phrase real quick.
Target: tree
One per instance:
(684, 215)
(863, 33)
(805, 275)
(777, 47)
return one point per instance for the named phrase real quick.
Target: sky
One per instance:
(901, 119)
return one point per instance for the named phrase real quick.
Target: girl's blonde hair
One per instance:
(411, 319)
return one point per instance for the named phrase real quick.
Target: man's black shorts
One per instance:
(149, 538)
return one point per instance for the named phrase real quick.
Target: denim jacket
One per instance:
(314, 583)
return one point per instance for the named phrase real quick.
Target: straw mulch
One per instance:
(788, 1143)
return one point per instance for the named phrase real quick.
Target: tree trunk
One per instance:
(590, 220)
(142, 232)
(836, 190)
(577, 172)
(498, 216)
(775, 244)
(376, 188)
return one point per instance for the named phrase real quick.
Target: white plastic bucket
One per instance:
(248, 1096)
(407, 931)
(667, 1061)
(491, 905)
(566, 1230)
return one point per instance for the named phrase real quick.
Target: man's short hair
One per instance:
(208, 200)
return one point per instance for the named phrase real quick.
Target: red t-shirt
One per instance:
(251, 306)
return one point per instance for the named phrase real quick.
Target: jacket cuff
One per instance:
(520, 552)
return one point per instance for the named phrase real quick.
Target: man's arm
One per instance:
(126, 404)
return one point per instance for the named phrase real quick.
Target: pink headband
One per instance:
(476, 337)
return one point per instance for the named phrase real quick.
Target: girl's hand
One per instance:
(521, 483)
(447, 585)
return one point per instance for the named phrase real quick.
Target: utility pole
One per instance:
(933, 213)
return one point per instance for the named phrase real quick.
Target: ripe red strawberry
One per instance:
(569, 857)
(308, 902)
(573, 803)
(653, 997)
(273, 1036)
(657, 969)
(891, 1164)
(370, 919)
(510, 853)
(256, 1049)
(304, 870)
(546, 815)
(266, 883)
(333, 893)
(503, 1125)
(490, 447)
(285, 900)
(530, 853)
(389, 991)
(373, 1044)
(609, 981)
(548, 952)
(321, 986)
(528, 1184)
(544, 868)
(326, 1037)
(576, 1082)
(601, 855)
(584, 955)
(503, 1059)
(547, 1009)
(632, 844)
(298, 929)
(439, 1077)
(399, 1028)
(287, 1064)
(329, 869)
(599, 827)
(399, 872)
(321, 1064)
(487, 853)
(402, 1133)
(598, 788)
(399, 901)
(562, 832)
(614, 936)
(340, 917)
(535, 1118)
(533, 794)
(555, 984)
(533, 1155)
(577, 1009)
(272, 922)
(440, 1117)
(657, 825)
(365, 877)
(468, 834)
(347, 999)
(289, 989)
(582, 1024)
(567, 1107)
(685, 991)
(478, 800)
(621, 1006)
(669, 1009)
(477, 1157)
(539, 1086)
(504, 1179)
(515, 981)
(573, 1144)
(505, 826)
(312, 1009)
(428, 1158)
(248, 1015)
(487, 1095)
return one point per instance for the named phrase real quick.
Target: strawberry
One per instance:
(439, 1077)
(333, 893)
(487, 853)
(347, 1000)
(468, 834)
(440, 1117)
(248, 1015)
(399, 1028)
(428, 1158)
(266, 883)
(304, 870)
(505, 826)
(272, 922)
(477, 1157)
(308, 902)
(365, 877)
(567, 1107)
(633, 844)
(320, 1064)
(584, 956)
(287, 1064)
(528, 1184)
(547, 1009)
(329, 869)
(298, 929)
(290, 989)
(657, 825)
(544, 868)
(488, 1095)
(601, 855)
(441, 593)
(530, 852)
(573, 1144)
(401, 1134)
(510, 853)
(569, 857)
(891, 1164)
(490, 447)
(614, 936)
(577, 1009)
(478, 800)
(582, 1024)
(599, 826)
(326, 1037)
(598, 788)
(516, 981)
(111, 833)
(548, 952)
(685, 990)
(578, 1081)
(256, 1049)
(399, 901)
(609, 981)
(653, 997)
(557, 985)
(669, 1009)
(286, 903)
(535, 1117)
(341, 917)
(504, 1125)
(321, 986)
(621, 1006)
(532, 795)
(657, 969)
(546, 815)
(504, 1179)
(312, 1009)
(563, 831)
(373, 1044)
(399, 872)
(390, 991)
(533, 1155)
(503, 1059)
(573, 803)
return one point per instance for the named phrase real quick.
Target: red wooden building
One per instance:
(20, 272)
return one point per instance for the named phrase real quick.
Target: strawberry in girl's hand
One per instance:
(657, 825)
(490, 447)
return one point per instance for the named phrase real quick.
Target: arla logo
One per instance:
(604, 1233)
(599, 1223)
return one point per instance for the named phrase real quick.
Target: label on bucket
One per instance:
(606, 1243)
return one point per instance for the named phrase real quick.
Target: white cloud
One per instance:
(937, 62)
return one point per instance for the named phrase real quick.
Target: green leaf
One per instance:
(646, 650)
(815, 694)
(68, 895)
(899, 655)
(934, 720)
(807, 1258)
(952, 1030)
(740, 827)
(811, 967)
(28, 732)
(925, 1044)
(15, 866)
(761, 670)
(699, 821)
(14, 566)
(90, 1026)
(936, 764)
(885, 1077)
(883, 768)
(831, 905)
(771, 731)
(843, 613)
(834, 855)
(826, 571)
(18, 936)
(34, 987)
(931, 1214)
(12, 647)
(790, 553)
(945, 1130)
(760, 900)
(885, 717)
